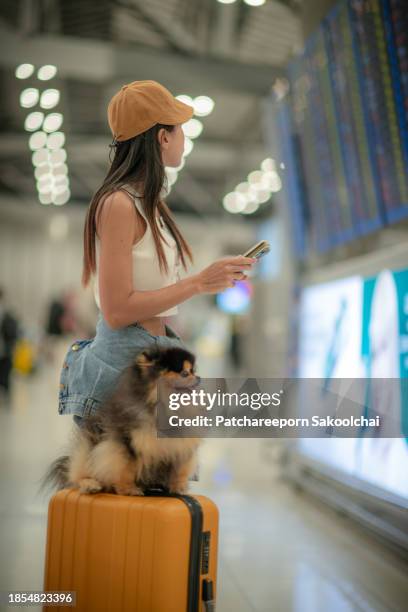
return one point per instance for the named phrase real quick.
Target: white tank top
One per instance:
(147, 275)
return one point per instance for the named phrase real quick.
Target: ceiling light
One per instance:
(171, 177)
(59, 188)
(188, 146)
(29, 97)
(255, 2)
(268, 164)
(59, 156)
(33, 121)
(243, 188)
(250, 208)
(272, 181)
(60, 169)
(45, 73)
(40, 157)
(56, 141)
(61, 198)
(37, 141)
(61, 179)
(49, 98)
(44, 170)
(186, 99)
(255, 177)
(234, 202)
(45, 198)
(24, 71)
(263, 195)
(44, 186)
(53, 122)
(183, 161)
(226, 1)
(203, 106)
(192, 128)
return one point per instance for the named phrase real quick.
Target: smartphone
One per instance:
(258, 250)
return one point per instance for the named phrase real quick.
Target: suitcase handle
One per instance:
(208, 595)
(157, 490)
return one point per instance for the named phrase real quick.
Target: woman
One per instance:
(133, 248)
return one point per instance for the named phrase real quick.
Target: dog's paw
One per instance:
(89, 485)
(179, 488)
(130, 490)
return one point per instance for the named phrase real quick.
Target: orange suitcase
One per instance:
(154, 553)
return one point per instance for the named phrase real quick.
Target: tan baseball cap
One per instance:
(139, 105)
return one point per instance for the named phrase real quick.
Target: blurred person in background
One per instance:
(61, 321)
(9, 334)
(53, 327)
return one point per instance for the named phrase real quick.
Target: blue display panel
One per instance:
(348, 107)
(380, 48)
(363, 194)
(336, 203)
(311, 144)
(291, 178)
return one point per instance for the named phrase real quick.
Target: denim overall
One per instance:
(93, 366)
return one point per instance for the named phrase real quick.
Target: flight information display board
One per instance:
(380, 40)
(348, 104)
(292, 180)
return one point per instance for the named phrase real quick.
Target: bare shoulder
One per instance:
(116, 209)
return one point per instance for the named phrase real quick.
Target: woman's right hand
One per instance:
(223, 273)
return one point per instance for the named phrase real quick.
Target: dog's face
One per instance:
(175, 367)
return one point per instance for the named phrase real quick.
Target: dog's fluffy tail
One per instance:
(56, 476)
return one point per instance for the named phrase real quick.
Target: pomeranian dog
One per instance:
(117, 449)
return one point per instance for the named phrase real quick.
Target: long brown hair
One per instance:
(136, 162)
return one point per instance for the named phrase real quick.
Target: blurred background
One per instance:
(300, 137)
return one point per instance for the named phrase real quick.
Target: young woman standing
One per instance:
(133, 248)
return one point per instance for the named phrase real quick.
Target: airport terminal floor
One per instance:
(279, 550)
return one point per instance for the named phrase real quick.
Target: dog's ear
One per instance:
(145, 359)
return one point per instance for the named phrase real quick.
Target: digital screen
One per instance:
(269, 265)
(347, 111)
(294, 188)
(350, 113)
(380, 40)
(358, 328)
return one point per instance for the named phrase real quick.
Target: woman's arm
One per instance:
(118, 225)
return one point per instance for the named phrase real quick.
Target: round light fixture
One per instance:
(41, 171)
(268, 165)
(45, 73)
(29, 97)
(49, 98)
(59, 156)
(53, 122)
(234, 202)
(37, 141)
(192, 128)
(33, 121)
(45, 198)
(60, 169)
(250, 208)
(40, 157)
(24, 71)
(186, 99)
(203, 106)
(188, 146)
(56, 140)
(61, 198)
